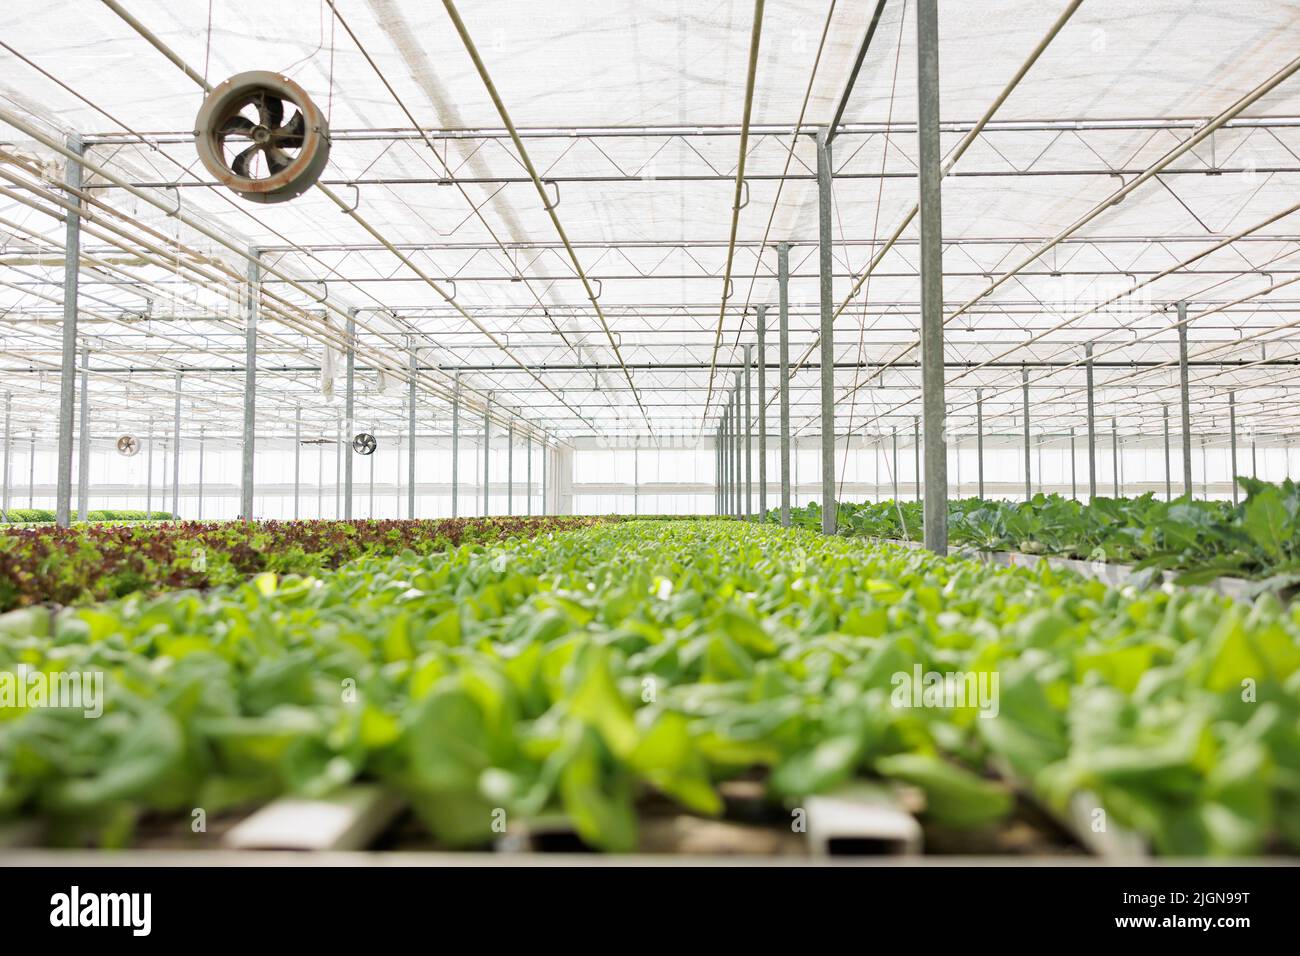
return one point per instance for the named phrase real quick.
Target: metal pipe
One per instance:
(1074, 469)
(742, 507)
(338, 467)
(636, 480)
(1169, 485)
(410, 454)
(825, 265)
(1092, 426)
(1232, 433)
(349, 411)
(31, 473)
(762, 412)
(1184, 400)
(199, 506)
(297, 460)
(933, 405)
(894, 470)
(1114, 455)
(68, 369)
(528, 476)
(1024, 384)
(250, 386)
(545, 472)
(916, 453)
(320, 480)
(455, 446)
(83, 439)
(148, 481)
(487, 450)
(749, 435)
(370, 504)
(176, 455)
(4, 497)
(510, 467)
(979, 439)
(783, 382)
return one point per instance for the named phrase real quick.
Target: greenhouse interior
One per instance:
(805, 431)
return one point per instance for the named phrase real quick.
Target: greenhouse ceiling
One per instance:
(599, 271)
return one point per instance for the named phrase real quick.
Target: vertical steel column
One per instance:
(455, 445)
(1092, 427)
(1254, 465)
(783, 383)
(825, 266)
(1232, 440)
(199, 507)
(717, 470)
(1169, 486)
(250, 387)
(297, 459)
(979, 439)
(636, 480)
(1024, 385)
(176, 455)
(1184, 399)
(370, 503)
(762, 413)
(338, 467)
(1074, 469)
(724, 437)
(4, 499)
(410, 451)
(1114, 456)
(528, 476)
(742, 507)
(349, 411)
(31, 472)
(68, 369)
(320, 479)
(933, 406)
(749, 435)
(163, 490)
(894, 470)
(510, 467)
(487, 448)
(83, 439)
(545, 455)
(916, 453)
(148, 467)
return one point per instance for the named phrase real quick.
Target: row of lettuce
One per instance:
(574, 673)
(1257, 538)
(88, 563)
(46, 515)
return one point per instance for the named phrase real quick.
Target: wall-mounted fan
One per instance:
(128, 445)
(364, 444)
(260, 134)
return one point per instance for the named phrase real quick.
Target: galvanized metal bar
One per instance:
(1169, 485)
(31, 473)
(827, 303)
(510, 466)
(1092, 426)
(749, 433)
(176, 454)
(297, 460)
(528, 475)
(455, 446)
(1074, 469)
(761, 326)
(783, 382)
(1024, 385)
(250, 386)
(68, 368)
(83, 438)
(916, 453)
(545, 473)
(199, 507)
(741, 506)
(979, 440)
(1114, 454)
(894, 470)
(1232, 442)
(349, 411)
(410, 452)
(1254, 465)
(487, 449)
(320, 480)
(370, 504)
(148, 468)
(933, 404)
(338, 467)
(4, 496)
(1184, 397)
(636, 480)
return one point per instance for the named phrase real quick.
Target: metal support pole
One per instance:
(68, 369)
(545, 470)
(979, 439)
(1184, 399)
(1074, 469)
(749, 435)
(31, 473)
(510, 467)
(528, 476)
(487, 449)
(250, 387)
(455, 446)
(83, 439)
(916, 453)
(4, 499)
(742, 507)
(410, 441)
(825, 266)
(176, 455)
(338, 468)
(1114, 457)
(297, 459)
(349, 412)
(762, 413)
(933, 406)
(724, 437)
(148, 468)
(370, 503)
(783, 336)
(1024, 385)
(199, 506)
(636, 480)
(894, 470)
(320, 480)
(1232, 439)
(1092, 427)
(1254, 464)
(1169, 481)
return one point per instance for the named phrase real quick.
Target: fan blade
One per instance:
(291, 134)
(276, 160)
(270, 110)
(236, 124)
(240, 166)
